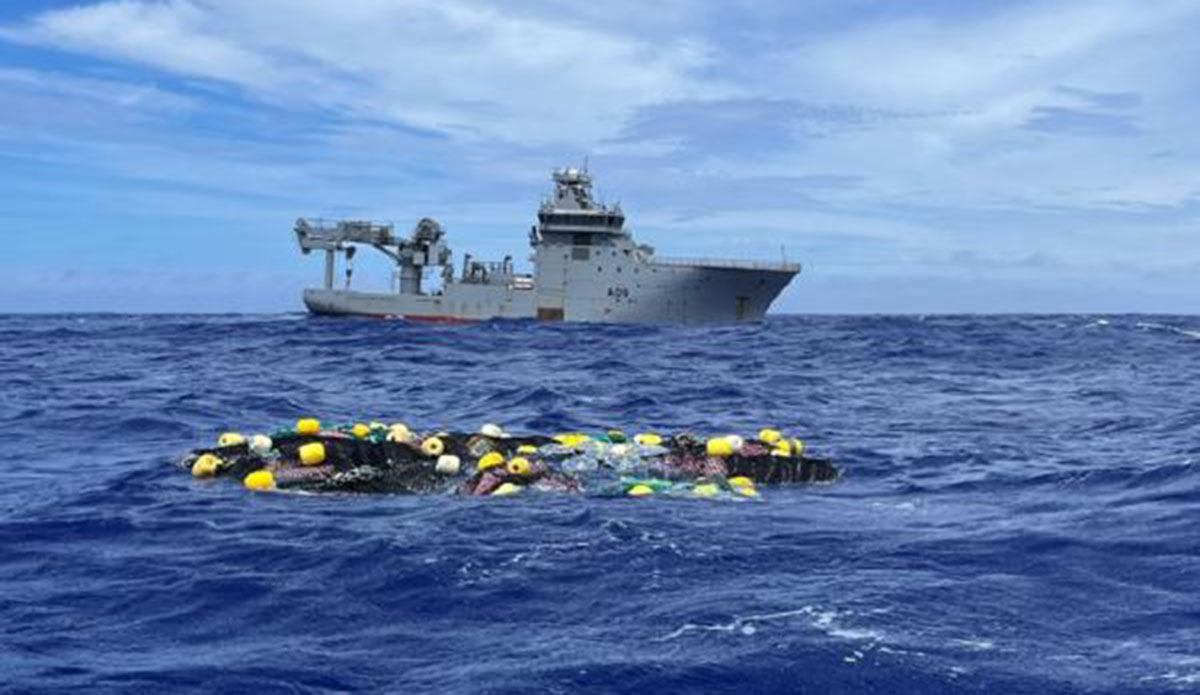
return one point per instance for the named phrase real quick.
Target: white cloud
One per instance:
(972, 82)
(144, 96)
(446, 65)
(929, 63)
(177, 36)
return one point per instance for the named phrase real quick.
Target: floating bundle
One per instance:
(378, 458)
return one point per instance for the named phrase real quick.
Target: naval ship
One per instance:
(587, 267)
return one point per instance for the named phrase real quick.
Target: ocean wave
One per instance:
(1017, 510)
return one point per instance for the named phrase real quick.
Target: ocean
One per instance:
(1019, 510)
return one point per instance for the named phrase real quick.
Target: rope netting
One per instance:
(376, 458)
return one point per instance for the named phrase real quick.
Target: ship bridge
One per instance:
(573, 210)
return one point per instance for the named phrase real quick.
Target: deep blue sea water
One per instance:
(1019, 512)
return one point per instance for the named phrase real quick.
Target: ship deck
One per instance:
(727, 263)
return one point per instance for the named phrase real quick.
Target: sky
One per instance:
(920, 156)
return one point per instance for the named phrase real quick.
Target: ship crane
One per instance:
(426, 245)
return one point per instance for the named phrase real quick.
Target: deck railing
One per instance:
(731, 263)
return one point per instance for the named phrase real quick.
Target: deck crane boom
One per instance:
(425, 246)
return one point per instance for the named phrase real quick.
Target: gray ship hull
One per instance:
(669, 294)
(489, 303)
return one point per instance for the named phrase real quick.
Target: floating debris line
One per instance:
(378, 458)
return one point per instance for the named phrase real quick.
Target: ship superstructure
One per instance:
(587, 267)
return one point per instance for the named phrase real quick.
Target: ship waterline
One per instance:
(587, 268)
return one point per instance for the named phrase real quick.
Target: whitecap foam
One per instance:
(854, 634)
(1153, 326)
(737, 624)
(826, 621)
(1174, 677)
(974, 645)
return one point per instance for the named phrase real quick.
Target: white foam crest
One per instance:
(975, 645)
(1152, 326)
(822, 620)
(1175, 677)
(737, 624)
(1181, 671)
(856, 635)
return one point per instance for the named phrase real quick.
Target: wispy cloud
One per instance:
(925, 59)
(1060, 119)
(448, 65)
(741, 127)
(1088, 113)
(1116, 101)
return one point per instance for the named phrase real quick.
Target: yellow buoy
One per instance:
(433, 447)
(720, 447)
(507, 489)
(783, 449)
(797, 447)
(490, 460)
(743, 486)
(230, 439)
(361, 431)
(640, 491)
(312, 454)
(308, 425)
(769, 436)
(448, 464)
(706, 490)
(399, 435)
(260, 480)
(648, 439)
(519, 466)
(571, 439)
(527, 449)
(205, 466)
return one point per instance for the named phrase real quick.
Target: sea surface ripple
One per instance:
(1018, 512)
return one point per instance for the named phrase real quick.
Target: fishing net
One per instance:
(377, 459)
